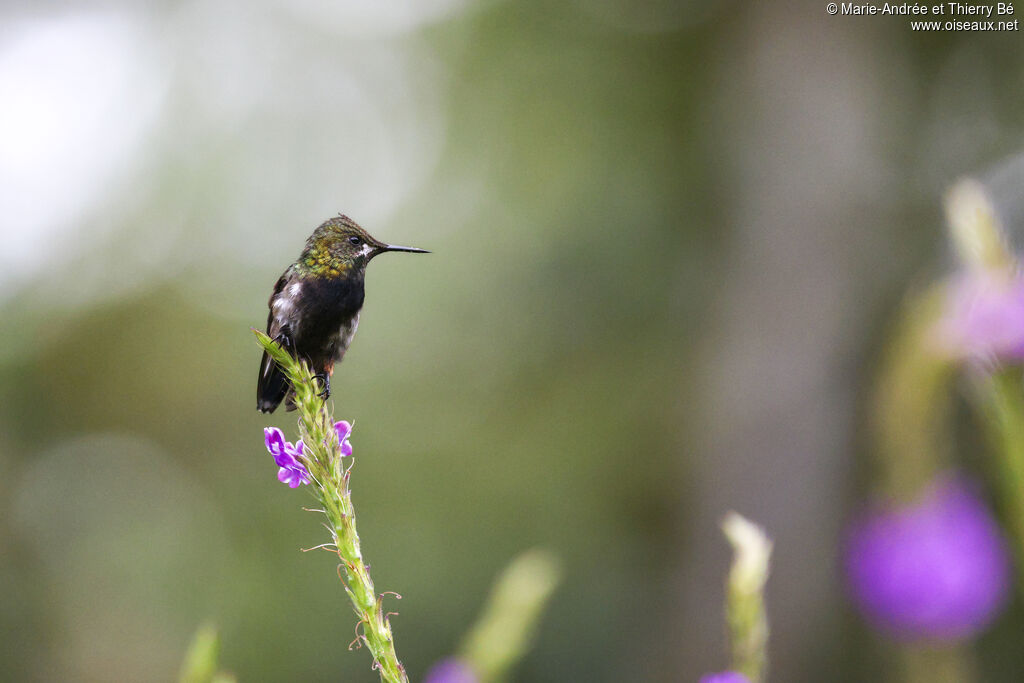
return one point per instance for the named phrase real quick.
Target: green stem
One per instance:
(1005, 394)
(912, 401)
(200, 665)
(745, 611)
(503, 632)
(323, 460)
(952, 664)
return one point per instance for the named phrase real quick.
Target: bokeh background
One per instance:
(668, 238)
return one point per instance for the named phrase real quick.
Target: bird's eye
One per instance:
(354, 240)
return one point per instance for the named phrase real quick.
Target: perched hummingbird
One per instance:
(314, 310)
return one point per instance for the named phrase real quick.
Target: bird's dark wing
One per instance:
(272, 385)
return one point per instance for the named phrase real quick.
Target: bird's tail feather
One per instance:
(272, 386)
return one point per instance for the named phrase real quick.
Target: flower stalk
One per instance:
(200, 665)
(744, 608)
(507, 626)
(1004, 413)
(975, 229)
(981, 244)
(912, 400)
(322, 454)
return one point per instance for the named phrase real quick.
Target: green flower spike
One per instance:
(323, 456)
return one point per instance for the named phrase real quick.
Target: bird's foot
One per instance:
(284, 338)
(325, 380)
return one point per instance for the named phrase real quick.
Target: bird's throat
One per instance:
(318, 261)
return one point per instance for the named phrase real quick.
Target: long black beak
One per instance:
(395, 247)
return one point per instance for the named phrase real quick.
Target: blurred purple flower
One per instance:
(938, 569)
(291, 470)
(344, 430)
(450, 671)
(725, 677)
(984, 316)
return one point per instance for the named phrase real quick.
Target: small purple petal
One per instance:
(293, 476)
(291, 471)
(283, 452)
(274, 440)
(725, 677)
(938, 569)
(343, 428)
(346, 449)
(285, 458)
(984, 317)
(450, 671)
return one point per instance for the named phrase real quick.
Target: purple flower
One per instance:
(450, 671)
(984, 316)
(291, 470)
(938, 569)
(344, 430)
(725, 677)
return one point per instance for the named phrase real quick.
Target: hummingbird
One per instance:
(314, 310)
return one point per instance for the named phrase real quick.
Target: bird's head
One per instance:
(340, 245)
